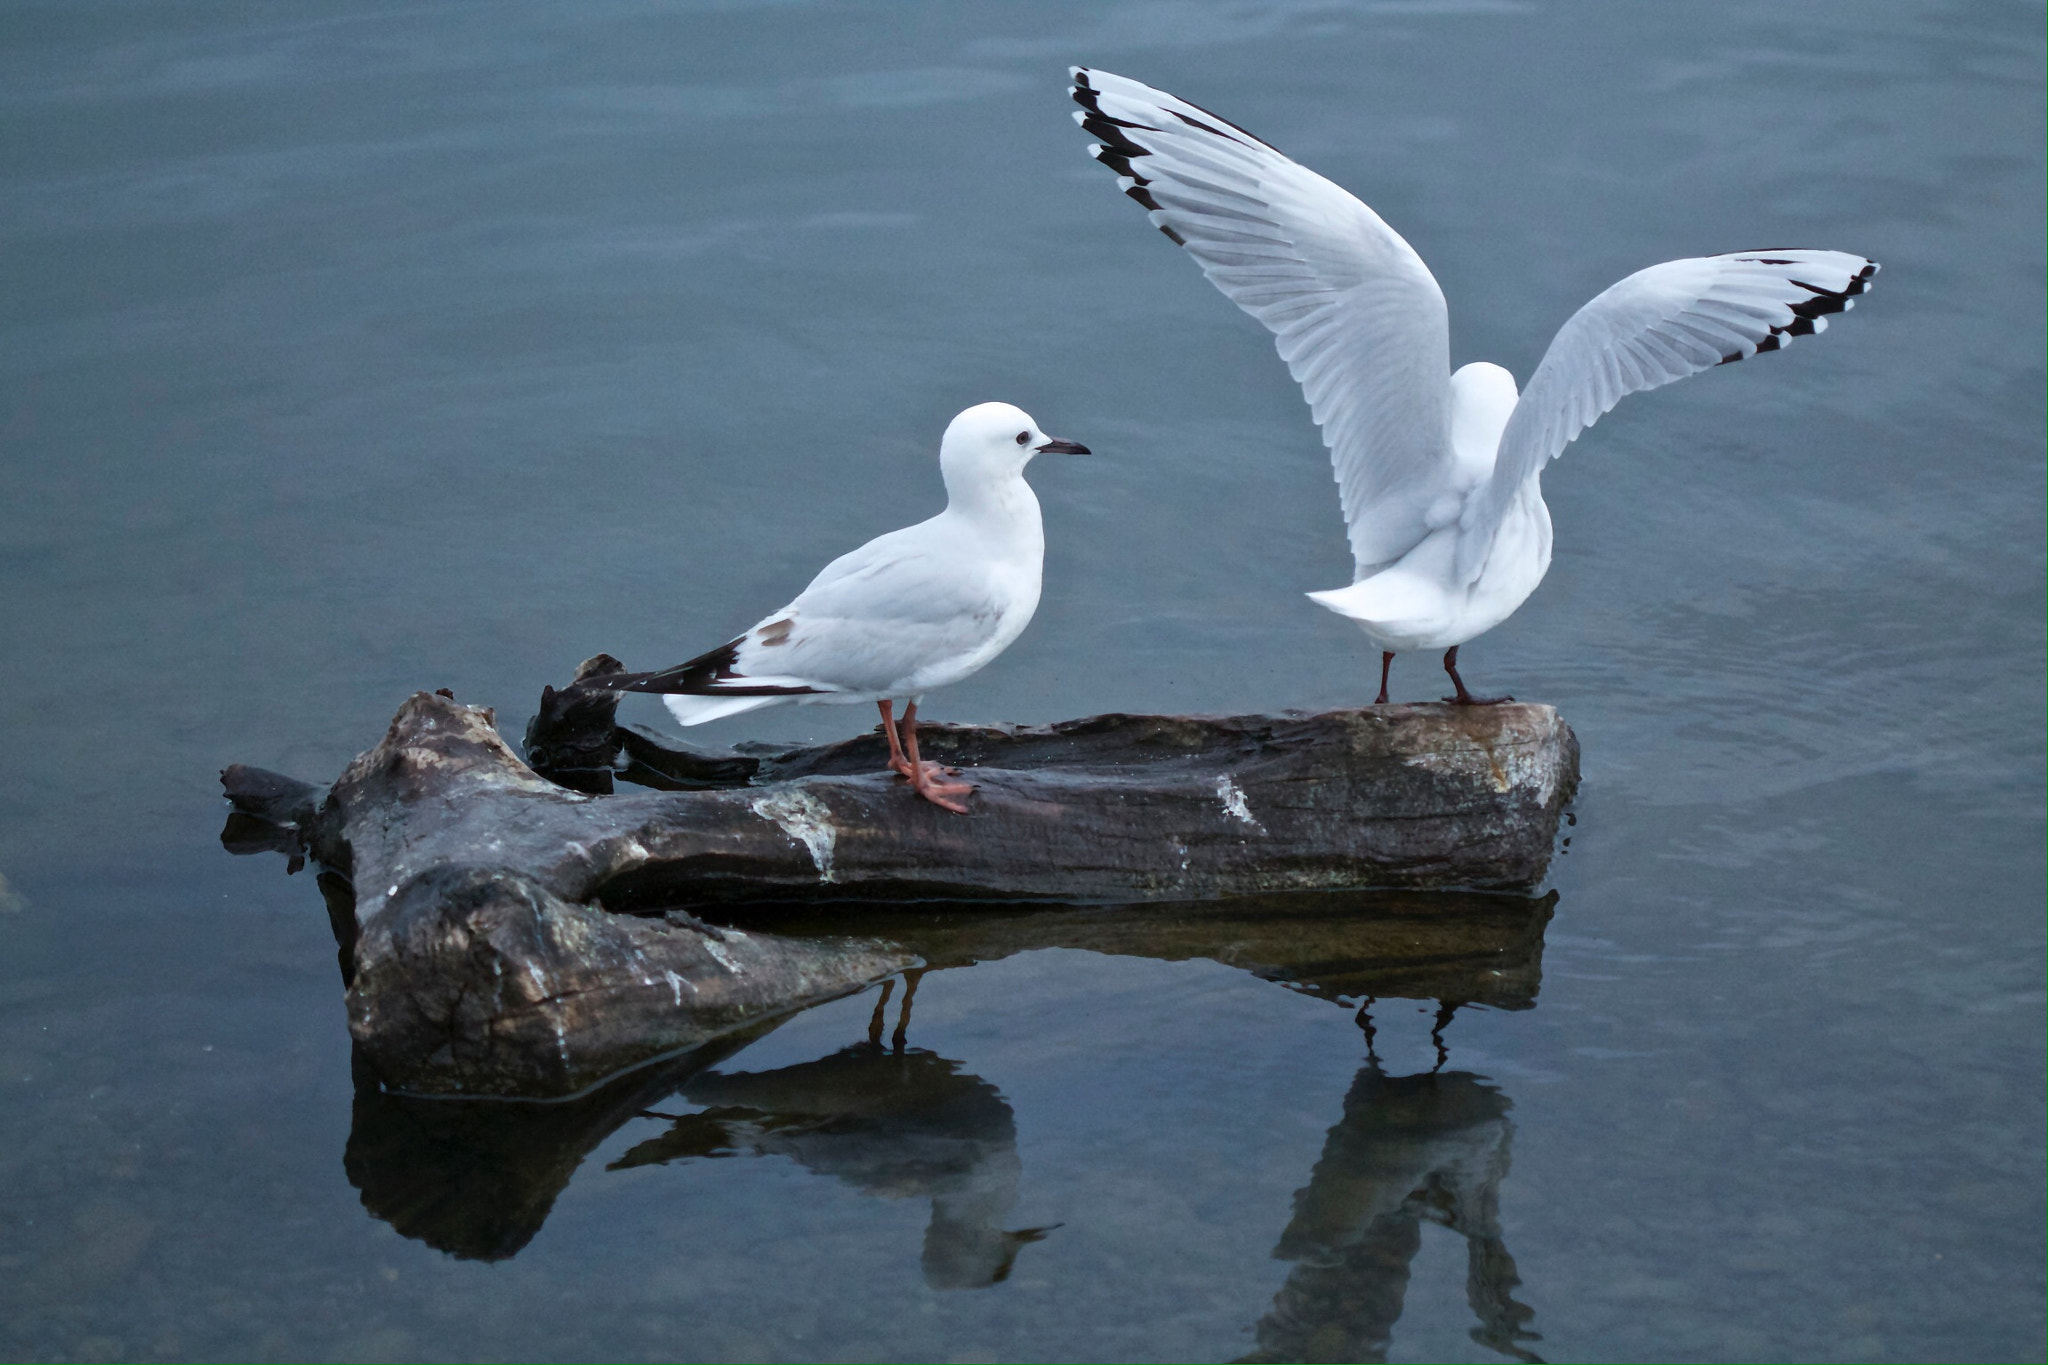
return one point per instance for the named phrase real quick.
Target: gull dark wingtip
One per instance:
(1810, 314)
(1824, 301)
(1235, 128)
(1112, 134)
(1117, 161)
(1197, 123)
(708, 675)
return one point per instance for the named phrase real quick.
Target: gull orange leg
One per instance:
(924, 776)
(898, 764)
(900, 733)
(1386, 662)
(1465, 698)
(909, 733)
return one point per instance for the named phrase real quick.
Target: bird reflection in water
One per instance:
(1428, 1147)
(893, 1121)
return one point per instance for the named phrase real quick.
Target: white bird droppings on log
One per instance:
(1234, 802)
(803, 818)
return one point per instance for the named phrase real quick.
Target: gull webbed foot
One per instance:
(1465, 698)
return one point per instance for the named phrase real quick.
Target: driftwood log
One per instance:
(502, 933)
(1113, 807)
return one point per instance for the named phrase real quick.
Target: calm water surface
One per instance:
(352, 349)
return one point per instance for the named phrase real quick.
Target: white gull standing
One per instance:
(1438, 473)
(908, 611)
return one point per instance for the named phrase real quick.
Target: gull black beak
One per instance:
(1064, 448)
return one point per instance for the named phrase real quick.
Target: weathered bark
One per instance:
(479, 980)
(470, 973)
(1121, 807)
(1110, 808)
(485, 952)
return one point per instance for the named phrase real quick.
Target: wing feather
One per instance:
(1353, 311)
(1656, 326)
(870, 618)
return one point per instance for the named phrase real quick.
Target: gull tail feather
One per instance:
(695, 710)
(1391, 599)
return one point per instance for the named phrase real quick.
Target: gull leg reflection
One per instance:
(1444, 1010)
(910, 980)
(1408, 1148)
(881, 1014)
(1364, 1021)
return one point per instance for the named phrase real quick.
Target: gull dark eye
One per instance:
(1022, 437)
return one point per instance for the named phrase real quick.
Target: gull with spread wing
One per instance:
(908, 611)
(1438, 473)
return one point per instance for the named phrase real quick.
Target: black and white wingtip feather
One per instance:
(1118, 148)
(708, 675)
(1810, 315)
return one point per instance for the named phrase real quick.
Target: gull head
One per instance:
(996, 440)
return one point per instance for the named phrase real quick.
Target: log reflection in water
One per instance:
(1408, 1148)
(1464, 948)
(476, 1178)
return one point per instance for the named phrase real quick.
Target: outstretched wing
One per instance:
(1354, 312)
(1657, 325)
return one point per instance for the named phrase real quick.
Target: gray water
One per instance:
(347, 350)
